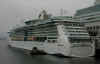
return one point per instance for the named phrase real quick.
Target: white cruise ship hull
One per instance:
(57, 48)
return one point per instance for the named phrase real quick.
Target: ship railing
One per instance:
(78, 33)
(41, 29)
(82, 44)
(80, 37)
(35, 32)
(91, 37)
(88, 15)
(71, 28)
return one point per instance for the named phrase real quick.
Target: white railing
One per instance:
(94, 20)
(90, 17)
(84, 36)
(78, 33)
(88, 14)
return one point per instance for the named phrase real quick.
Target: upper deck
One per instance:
(47, 29)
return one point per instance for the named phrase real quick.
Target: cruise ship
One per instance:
(91, 17)
(53, 35)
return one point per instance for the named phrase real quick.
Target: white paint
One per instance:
(63, 39)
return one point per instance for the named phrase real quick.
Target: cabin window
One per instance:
(40, 39)
(80, 40)
(74, 24)
(52, 41)
(97, 27)
(90, 18)
(48, 40)
(87, 28)
(40, 32)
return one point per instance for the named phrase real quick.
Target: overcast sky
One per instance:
(13, 12)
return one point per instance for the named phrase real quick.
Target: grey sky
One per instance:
(12, 12)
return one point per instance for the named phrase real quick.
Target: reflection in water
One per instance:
(97, 60)
(82, 61)
(57, 60)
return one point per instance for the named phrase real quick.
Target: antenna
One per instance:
(35, 12)
(22, 21)
(62, 12)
